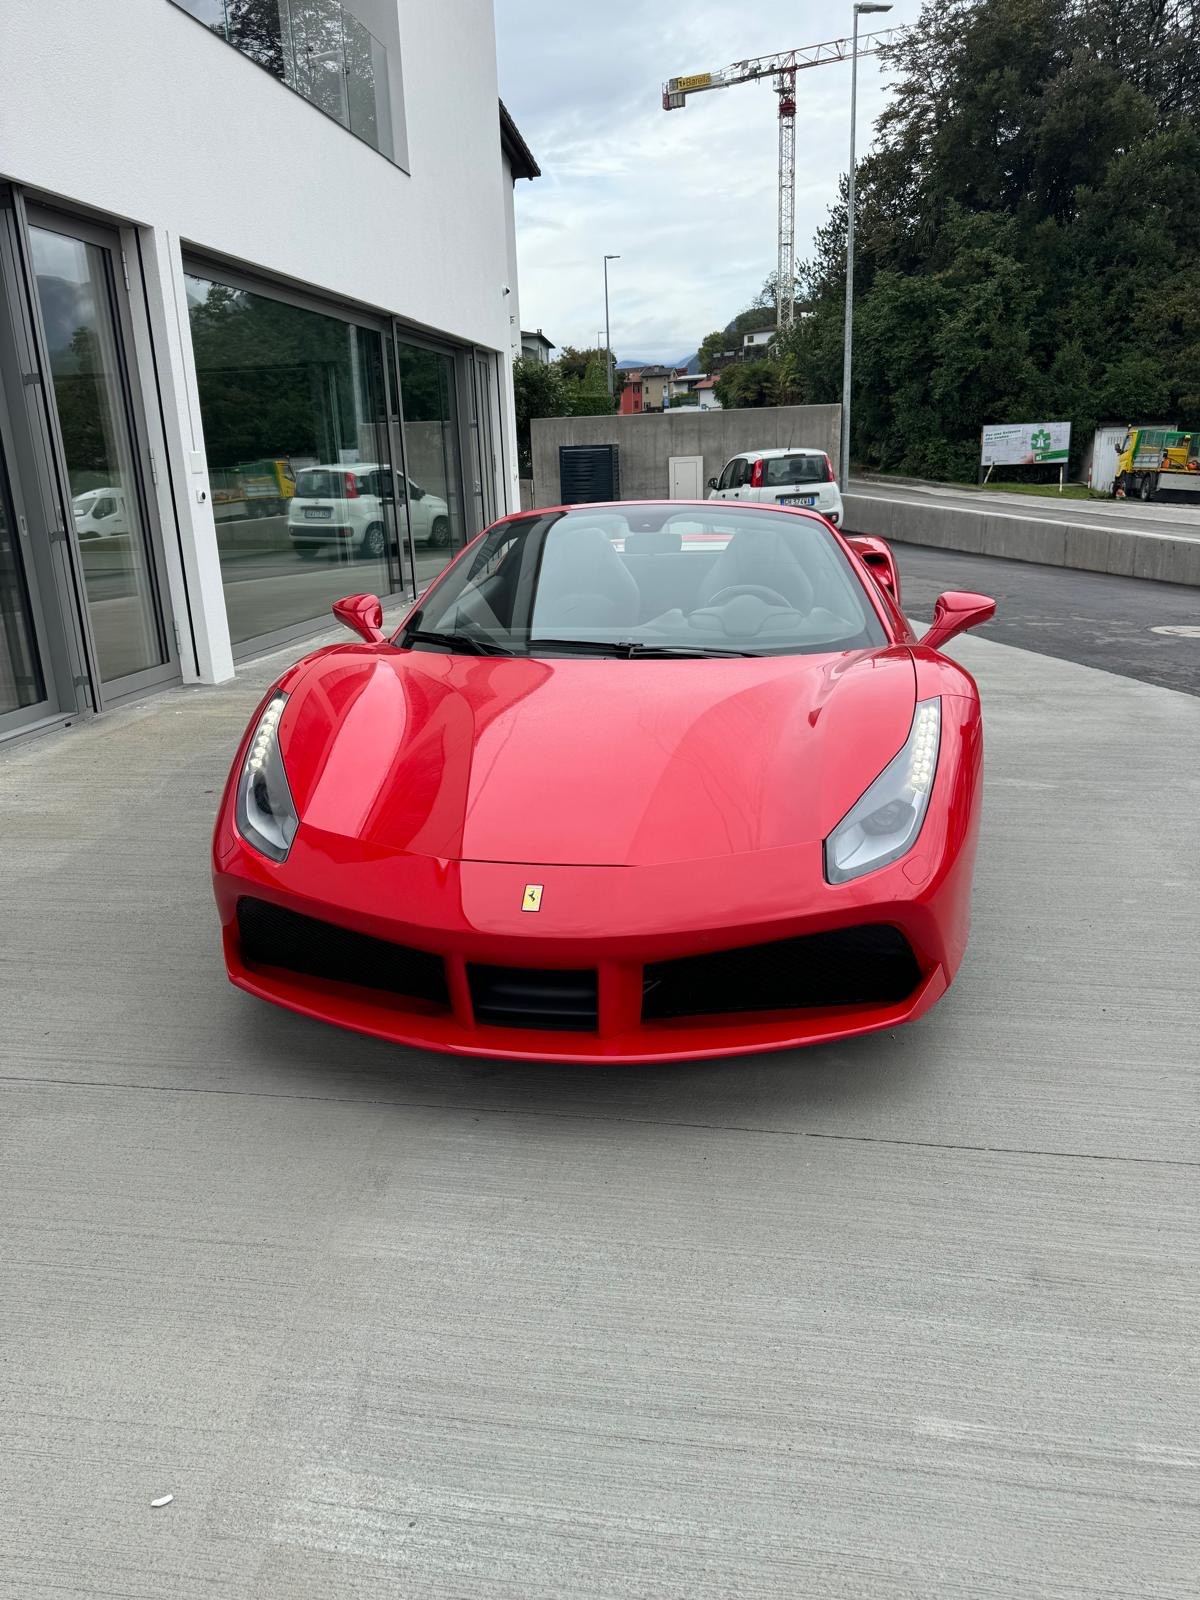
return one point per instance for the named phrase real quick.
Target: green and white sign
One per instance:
(1025, 444)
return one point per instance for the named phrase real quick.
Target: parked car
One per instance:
(100, 513)
(341, 503)
(782, 478)
(648, 780)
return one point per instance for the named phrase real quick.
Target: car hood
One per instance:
(589, 762)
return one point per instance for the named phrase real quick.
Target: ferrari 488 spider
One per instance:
(650, 780)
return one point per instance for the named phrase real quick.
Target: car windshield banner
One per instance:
(1025, 443)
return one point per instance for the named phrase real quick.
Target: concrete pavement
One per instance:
(910, 1316)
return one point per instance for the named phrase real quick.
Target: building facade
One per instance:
(630, 402)
(258, 309)
(536, 347)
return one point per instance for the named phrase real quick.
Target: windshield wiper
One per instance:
(631, 649)
(467, 642)
(636, 648)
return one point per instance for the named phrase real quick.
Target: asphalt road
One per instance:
(908, 1317)
(1180, 521)
(1088, 617)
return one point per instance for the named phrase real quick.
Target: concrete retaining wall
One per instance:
(648, 442)
(1016, 538)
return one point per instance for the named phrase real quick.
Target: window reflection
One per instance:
(83, 342)
(20, 673)
(428, 394)
(318, 48)
(295, 429)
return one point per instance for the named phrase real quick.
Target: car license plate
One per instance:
(318, 513)
(797, 499)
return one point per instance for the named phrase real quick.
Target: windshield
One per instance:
(651, 579)
(324, 483)
(797, 469)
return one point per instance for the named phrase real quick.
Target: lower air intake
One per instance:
(272, 936)
(522, 997)
(872, 965)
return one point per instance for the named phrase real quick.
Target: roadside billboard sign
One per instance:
(1025, 444)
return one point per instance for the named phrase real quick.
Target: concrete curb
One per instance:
(1013, 537)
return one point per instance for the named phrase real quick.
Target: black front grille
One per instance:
(853, 966)
(272, 936)
(522, 997)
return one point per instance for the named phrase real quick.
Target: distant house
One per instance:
(656, 387)
(756, 344)
(536, 347)
(706, 393)
(683, 387)
(631, 394)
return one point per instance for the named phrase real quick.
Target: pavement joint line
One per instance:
(1056, 522)
(581, 1116)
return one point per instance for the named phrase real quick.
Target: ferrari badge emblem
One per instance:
(532, 900)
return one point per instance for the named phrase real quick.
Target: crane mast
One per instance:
(782, 68)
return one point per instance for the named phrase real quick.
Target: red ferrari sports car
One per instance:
(649, 780)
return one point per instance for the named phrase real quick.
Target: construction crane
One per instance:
(783, 68)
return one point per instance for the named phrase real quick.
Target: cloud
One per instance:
(686, 198)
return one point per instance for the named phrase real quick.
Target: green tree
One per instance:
(539, 391)
(589, 396)
(1028, 230)
(747, 383)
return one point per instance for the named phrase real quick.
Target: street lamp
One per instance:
(607, 334)
(861, 9)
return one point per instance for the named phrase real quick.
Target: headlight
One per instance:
(884, 824)
(266, 813)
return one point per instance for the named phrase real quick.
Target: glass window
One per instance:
(21, 682)
(319, 48)
(722, 580)
(295, 430)
(75, 296)
(797, 469)
(429, 396)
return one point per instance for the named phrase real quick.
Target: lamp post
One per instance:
(607, 334)
(862, 8)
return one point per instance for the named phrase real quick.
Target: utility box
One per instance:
(588, 472)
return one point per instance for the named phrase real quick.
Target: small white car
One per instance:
(100, 513)
(781, 477)
(345, 504)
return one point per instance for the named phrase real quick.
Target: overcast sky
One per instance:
(686, 198)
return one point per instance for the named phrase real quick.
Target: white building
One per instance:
(758, 343)
(258, 307)
(535, 346)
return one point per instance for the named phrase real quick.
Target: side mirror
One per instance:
(362, 614)
(877, 555)
(955, 612)
(415, 492)
(712, 483)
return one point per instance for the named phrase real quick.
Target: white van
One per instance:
(781, 477)
(100, 513)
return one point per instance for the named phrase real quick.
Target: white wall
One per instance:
(134, 108)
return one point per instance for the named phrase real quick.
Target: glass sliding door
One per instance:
(429, 398)
(74, 281)
(485, 438)
(22, 684)
(295, 413)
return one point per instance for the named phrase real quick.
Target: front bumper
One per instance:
(613, 922)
